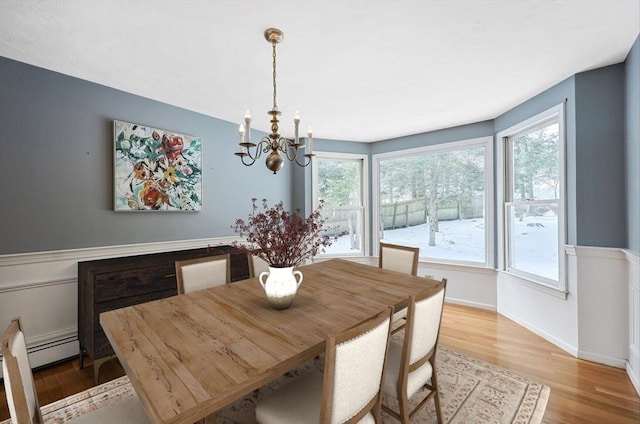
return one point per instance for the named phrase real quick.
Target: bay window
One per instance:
(437, 198)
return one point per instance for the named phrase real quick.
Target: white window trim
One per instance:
(487, 143)
(364, 178)
(501, 184)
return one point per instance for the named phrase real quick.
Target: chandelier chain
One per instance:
(275, 105)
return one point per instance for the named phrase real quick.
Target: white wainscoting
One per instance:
(592, 323)
(598, 320)
(633, 366)
(553, 318)
(42, 289)
(603, 305)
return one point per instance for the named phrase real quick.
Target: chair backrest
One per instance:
(201, 273)
(422, 330)
(354, 365)
(22, 397)
(399, 258)
(256, 265)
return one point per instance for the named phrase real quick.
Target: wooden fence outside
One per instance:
(343, 220)
(412, 212)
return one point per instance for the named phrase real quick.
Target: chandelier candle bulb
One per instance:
(310, 135)
(242, 132)
(247, 124)
(296, 123)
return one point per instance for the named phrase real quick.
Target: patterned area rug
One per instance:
(116, 393)
(471, 392)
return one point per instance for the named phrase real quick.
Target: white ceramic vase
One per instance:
(280, 286)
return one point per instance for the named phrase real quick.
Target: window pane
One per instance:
(532, 200)
(339, 185)
(536, 164)
(533, 239)
(435, 201)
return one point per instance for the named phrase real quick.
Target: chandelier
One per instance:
(273, 145)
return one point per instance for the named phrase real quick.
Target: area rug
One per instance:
(471, 392)
(116, 393)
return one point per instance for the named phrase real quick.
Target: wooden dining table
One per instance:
(188, 356)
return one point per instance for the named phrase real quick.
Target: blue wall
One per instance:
(600, 180)
(564, 92)
(632, 145)
(463, 132)
(56, 166)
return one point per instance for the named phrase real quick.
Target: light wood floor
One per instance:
(581, 391)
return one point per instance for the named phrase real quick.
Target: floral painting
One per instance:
(156, 169)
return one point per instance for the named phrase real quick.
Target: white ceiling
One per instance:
(356, 70)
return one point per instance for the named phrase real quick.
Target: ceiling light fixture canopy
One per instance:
(274, 143)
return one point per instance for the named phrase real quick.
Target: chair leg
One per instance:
(403, 403)
(436, 399)
(436, 396)
(377, 412)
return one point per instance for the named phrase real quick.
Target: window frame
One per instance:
(364, 194)
(487, 143)
(503, 200)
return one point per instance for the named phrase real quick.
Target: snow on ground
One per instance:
(463, 240)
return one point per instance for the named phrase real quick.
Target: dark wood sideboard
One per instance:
(107, 284)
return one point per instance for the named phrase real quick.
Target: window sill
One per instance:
(457, 266)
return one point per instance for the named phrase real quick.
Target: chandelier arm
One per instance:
(306, 162)
(262, 147)
(245, 163)
(287, 145)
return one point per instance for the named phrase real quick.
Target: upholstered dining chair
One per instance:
(396, 257)
(411, 365)
(399, 258)
(22, 397)
(202, 273)
(349, 390)
(256, 265)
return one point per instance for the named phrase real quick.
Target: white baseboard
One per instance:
(572, 350)
(471, 304)
(602, 359)
(634, 377)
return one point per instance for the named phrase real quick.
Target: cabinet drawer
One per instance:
(134, 282)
